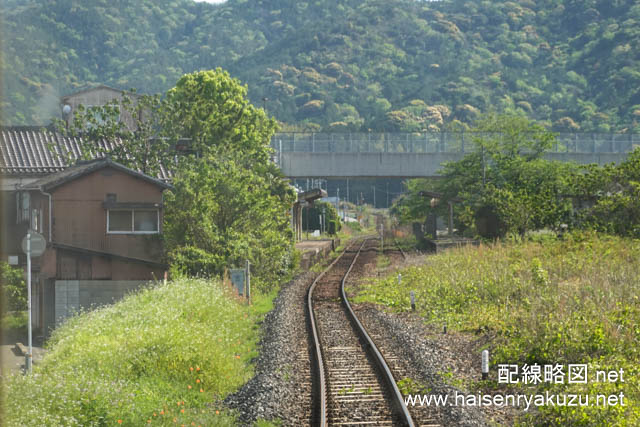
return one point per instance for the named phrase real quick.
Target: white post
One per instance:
(413, 300)
(485, 364)
(399, 278)
(248, 284)
(29, 357)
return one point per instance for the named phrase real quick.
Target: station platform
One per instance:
(314, 251)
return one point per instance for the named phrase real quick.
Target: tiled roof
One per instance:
(40, 151)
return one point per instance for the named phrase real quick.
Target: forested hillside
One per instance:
(341, 64)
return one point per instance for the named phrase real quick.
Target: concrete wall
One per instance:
(72, 295)
(400, 165)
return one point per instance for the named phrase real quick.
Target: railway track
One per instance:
(353, 384)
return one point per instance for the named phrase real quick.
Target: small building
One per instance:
(102, 223)
(304, 199)
(97, 97)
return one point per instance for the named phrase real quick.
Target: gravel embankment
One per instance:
(281, 388)
(431, 358)
(424, 360)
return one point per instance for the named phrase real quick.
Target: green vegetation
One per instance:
(332, 219)
(230, 203)
(565, 301)
(146, 140)
(168, 352)
(14, 289)
(505, 186)
(614, 191)
(341, 65)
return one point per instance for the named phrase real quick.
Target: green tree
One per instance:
(211, 109)
(230, 202)
(141, 144)
(224, 213)
(504, 181)
(614, 192)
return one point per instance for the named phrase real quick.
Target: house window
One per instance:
(133, 221)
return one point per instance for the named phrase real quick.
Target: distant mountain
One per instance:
(341, 64)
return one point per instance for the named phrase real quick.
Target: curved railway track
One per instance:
(353, 384)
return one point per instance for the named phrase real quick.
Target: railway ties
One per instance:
(353, 386)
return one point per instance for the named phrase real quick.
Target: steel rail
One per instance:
(321, 410)
(321, 386)
(397, 399)
(404, 255)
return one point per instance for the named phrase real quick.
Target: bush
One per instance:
(313, 222)
(195, 262)
(14, 289)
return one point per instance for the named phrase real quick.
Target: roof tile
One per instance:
(37, 151)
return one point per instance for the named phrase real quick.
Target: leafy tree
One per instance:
(230, 202)
(211, 109)
(143, 145)
(504, 181)
(614, 193)
(225, 213)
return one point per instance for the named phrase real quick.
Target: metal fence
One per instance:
(440, 142)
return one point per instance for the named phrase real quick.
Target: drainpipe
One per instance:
(50, 213)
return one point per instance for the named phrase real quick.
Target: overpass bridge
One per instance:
(418, 155)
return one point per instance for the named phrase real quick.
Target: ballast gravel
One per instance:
(281, 387)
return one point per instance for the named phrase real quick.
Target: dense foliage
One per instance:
(14, 288)
(373, 64)
(311, 217)
(553, 301)
(230, 202)
(503, 186)
(166, 355)
(612, 195)
(221, 214)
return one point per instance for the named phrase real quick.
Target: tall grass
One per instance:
(163, 356)
(565, 301)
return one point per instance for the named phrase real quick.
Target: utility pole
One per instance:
(387, 194)
(324, 221)
(29, 359)
(348, 190)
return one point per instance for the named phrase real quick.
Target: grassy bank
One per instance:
(164, 356)
(572, 301)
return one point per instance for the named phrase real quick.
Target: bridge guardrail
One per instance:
(439, 142)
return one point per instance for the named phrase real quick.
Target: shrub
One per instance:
(196, 262)
(14, 289)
